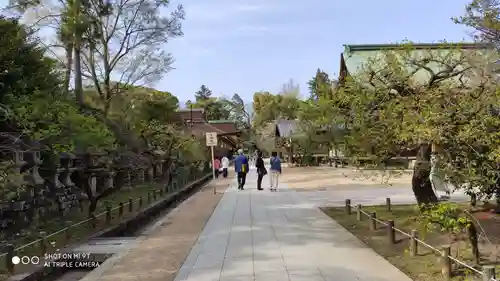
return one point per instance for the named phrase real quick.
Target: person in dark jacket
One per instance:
(261, 170)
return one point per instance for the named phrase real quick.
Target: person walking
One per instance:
(241, 168)
(217, 167)
(261, 170)
(274, 176)
(225, 166)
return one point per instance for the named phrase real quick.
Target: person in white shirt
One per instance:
(225, 166)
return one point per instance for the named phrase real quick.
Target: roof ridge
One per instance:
(373, 47)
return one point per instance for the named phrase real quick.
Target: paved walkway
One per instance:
(283, 236)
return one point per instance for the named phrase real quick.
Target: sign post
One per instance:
(212, 141)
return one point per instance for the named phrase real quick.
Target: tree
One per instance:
(123, 44)
(138, 103)
(241, 115)
(265, 107)
(437, 102)
(37, 106)
(215, 108)
(24, 69)
(320, 86)
(39, 111)
(238, 112)
(203, 94)
(322, 122)
(268, 107)
(114, 45)
(484, 18)
(25, 73)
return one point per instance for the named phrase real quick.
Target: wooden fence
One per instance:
(487, 272)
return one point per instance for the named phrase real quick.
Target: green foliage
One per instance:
(268, 107)
(238, 112)
(203, 94)
(321, 86)
(59, 125)
(482, 17)
(445, 217)
(11, 182)
(215, 108)
(24, 69)
(443, 96)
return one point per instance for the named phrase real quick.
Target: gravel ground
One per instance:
(160, 255)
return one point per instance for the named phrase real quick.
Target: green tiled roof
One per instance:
(357, 56)
(419, 46)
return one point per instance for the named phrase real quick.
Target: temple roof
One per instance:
(355, 57)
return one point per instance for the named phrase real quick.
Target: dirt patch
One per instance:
(426, 265)
(314, 178)
(161, 254)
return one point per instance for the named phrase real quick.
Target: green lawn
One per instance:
(423, 267)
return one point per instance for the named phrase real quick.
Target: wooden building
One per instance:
(195, 122)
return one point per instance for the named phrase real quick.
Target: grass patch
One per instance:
(423, 267)
(56, 239)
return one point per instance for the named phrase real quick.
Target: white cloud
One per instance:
(255, 28)
(219, 11)
(250, 8)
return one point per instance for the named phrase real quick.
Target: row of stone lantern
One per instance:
(56, 185)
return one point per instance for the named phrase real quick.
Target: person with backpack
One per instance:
(241, 168)
(275, 171)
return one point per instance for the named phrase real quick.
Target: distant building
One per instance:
(355, 57)
(194, 121)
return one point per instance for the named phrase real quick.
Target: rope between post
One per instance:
(424, 244)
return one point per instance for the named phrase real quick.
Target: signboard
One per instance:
(211, 139)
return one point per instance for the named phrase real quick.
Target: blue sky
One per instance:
(243, 46)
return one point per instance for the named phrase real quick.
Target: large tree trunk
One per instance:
(421, 183)
(78, 75)
(69, 67)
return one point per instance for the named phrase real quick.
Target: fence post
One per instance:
(161, 192)
(43, 246)
(149, 198)
(108, 215)
(348, 206)
(130, 205)
(373, 222)
(68, 234)
(120, 209)
(446, 262)
(413, 243)
(388, 204)
(140, 202)
(93, 220)
(154, 195)
(8, 259)
(488, 272)
(391, 233)
(359, 213)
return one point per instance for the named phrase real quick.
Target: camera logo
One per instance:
(25, 260)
